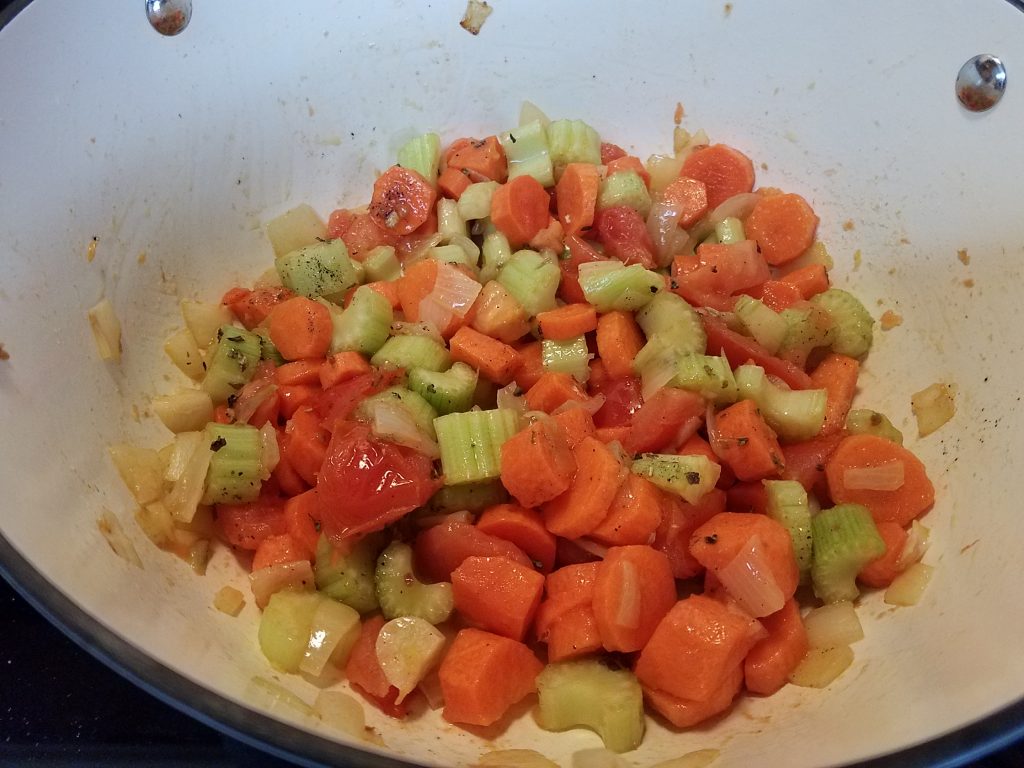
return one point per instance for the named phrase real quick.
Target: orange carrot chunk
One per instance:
(633, 591)
(537, 464)
(441, 549)
(301, 328)
(725, 172)
(619, 338)
(575, 634)
(783, 226)
(689, 197)
(686, 713)
(283, 548)
(552, 390)
(837, 375)
(881, 572)
(531, 365)
(497, 594)
(452, 182)
(494, 360)
(576, 196)
(809, 281)
(577, 423)
(482, 675)
(745, 442)
(568, 588)
(585, 505)
(679, 520)
(342, 366)
(364, 673)
(634, 515)
(524, 528)
(402, 201)
(479, 159)
(519, 209)
(567, 322)
(415, 285)
(774, 658)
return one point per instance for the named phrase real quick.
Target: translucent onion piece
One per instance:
(591, 546)
(472, 249)
(118, 540)
(407, 649)
(420, 249)
(393, 422)
(264, 582)
(452, 296)
(933, 407)
(229, 600)
(664, 169)
(529, 112)
(821, 666)
(663, 227)
(269, 278)
(915, 546)
(510, 398)
(699, 759)
(251, 397)
(187, 491)
(597, 758)
(513, 758)
(278, 698)
(332, 634)
(271, 453)
(750, 581)
(341, 711)
(907, 588)
(628, 613)
(658, 372)
(591, 405)
(141, 470)
(106, 330)
(430, 687)
(832, 625)
(888, 476)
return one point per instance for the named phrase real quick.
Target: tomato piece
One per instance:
(664, 421)
(335, 404)
(740, 349)
(252, 307)
(611, 152)
(245, 526)
(577, 251)
(717, 272)
(402, 201)
(358, 231)
(366, 483)
(623, 233)
(622, 400)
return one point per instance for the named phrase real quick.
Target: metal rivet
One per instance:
(981, 82)
(169, 17)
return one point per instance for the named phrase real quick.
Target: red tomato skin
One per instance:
(623, 399)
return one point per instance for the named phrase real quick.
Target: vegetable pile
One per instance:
(482, 434)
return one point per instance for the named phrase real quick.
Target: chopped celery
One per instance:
(450, 391)
(294, 229)
(532, 280)
(450, 221)
(421, 411)
(845, 540)
(348, 577)
(730, 230)
(527, 152)
(766, 325)
(670, 313)
(285, 626)
(708, 376)
(567, 356)
(422, 154)
(609, 285)
(625, 188)
(687, 476)
(863, 421)
(657, 362)
(236, 465)
(853, 324)
(412, 352)
(496, 253)
(471, 443)
(381, 264)
(573, 141)
(232, 362)
(470, 497)
(807, 328)
(268, 349)
(451, 254)
(322, 269)
(364, 326)
(787, 503)
(794, 414)
(400, 593)
(587, 693)
(475, 200)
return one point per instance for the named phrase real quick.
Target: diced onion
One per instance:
(597, 758)
(591, 546)
(407, 649)
(187, 491)
(452, 296)
(118, 540)
(821, 666)
(184, 411)
(663, 227)
(106, 330)
(279, 699)
(271, 453)
(513, 758)
(933, 407)
(472, 249)
(529, 112)
(628, 613)
(422, 247)
(229, 600)
(510, 398)
(658, 372)
(430, 687)
(251, 397)
(749, 580)
(198, 555)
(392, 421)
(915, 546)
(269, 278)
(907, 588)
(332, 634)
(591, 405)
(141, 470)
(833, 624)
(264, 582)
(341, 711)
(699, 759)
(663, 169)
(888, 476)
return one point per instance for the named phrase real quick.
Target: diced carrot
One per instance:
(610, 152)
(880, 572)
(810, 280)
(483, 675)
(415, 285)
(612, 434)
(358, 231)
(902, 505)
(519, 209)
(774, 658)
(283, 548)
(718, 542)
(837, 374)
(497, 594)
(292, 397)
(537, 464)
(619, 338)
(443, 548)
(287, 478)
(498, 314)
(686, 713)
(740, 349)
(567, 322)
(665, 420)
(805, 461)
(302, 513)
(725, 172)
(628, 163)
(696, 445)
(495, 360)
(634, 515)
(696, 648)
(679, 520)
(223, 415)
(253, 307)
(245, 526)
(633, 591)
(342, 366)
(402, 200)
(576, 196)
(745, 442)
(301, 328)
(577, 423)
(575, 634)
(531, 365)
(307, 444)
(452, 182)
(482, 159)
(581, 509)
(783, 226)
(554, 389)
(524, 528)
(689, 197)
(776, 294)
(386, 288)
(299, 372)
(364, 673)
(747, 496)
(572, 583)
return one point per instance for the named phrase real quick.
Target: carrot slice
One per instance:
(482, 675)
(577, 423)
(364, 673)
(881, 572)
(358, 231)
(696, 445)
(581, 509)
(554, 389)
(537, 464)
(306, 442)
(575, 634)
(283, 548)
(805, 461)
(902, 505)
(837, 375)
(299, 372)
(301, 328)
(725, 172)
(745, 442)
(440, 550)
(634, 515)
(342, 366)
(497, 594)
(402, 201)
(253, 307)
(452, 182)
(480, 159)
(774, 658)
(576, 196)
(619, 338)
(686, 713)
(531, 365)
(810, 280)
(567, 322)
(633, 591)
(689, 197)
(519, 209)
(524, 528)
(679, 520)
(776, 294)
(302, 513)
(415, 285)
(494, 360)
(783, 226)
